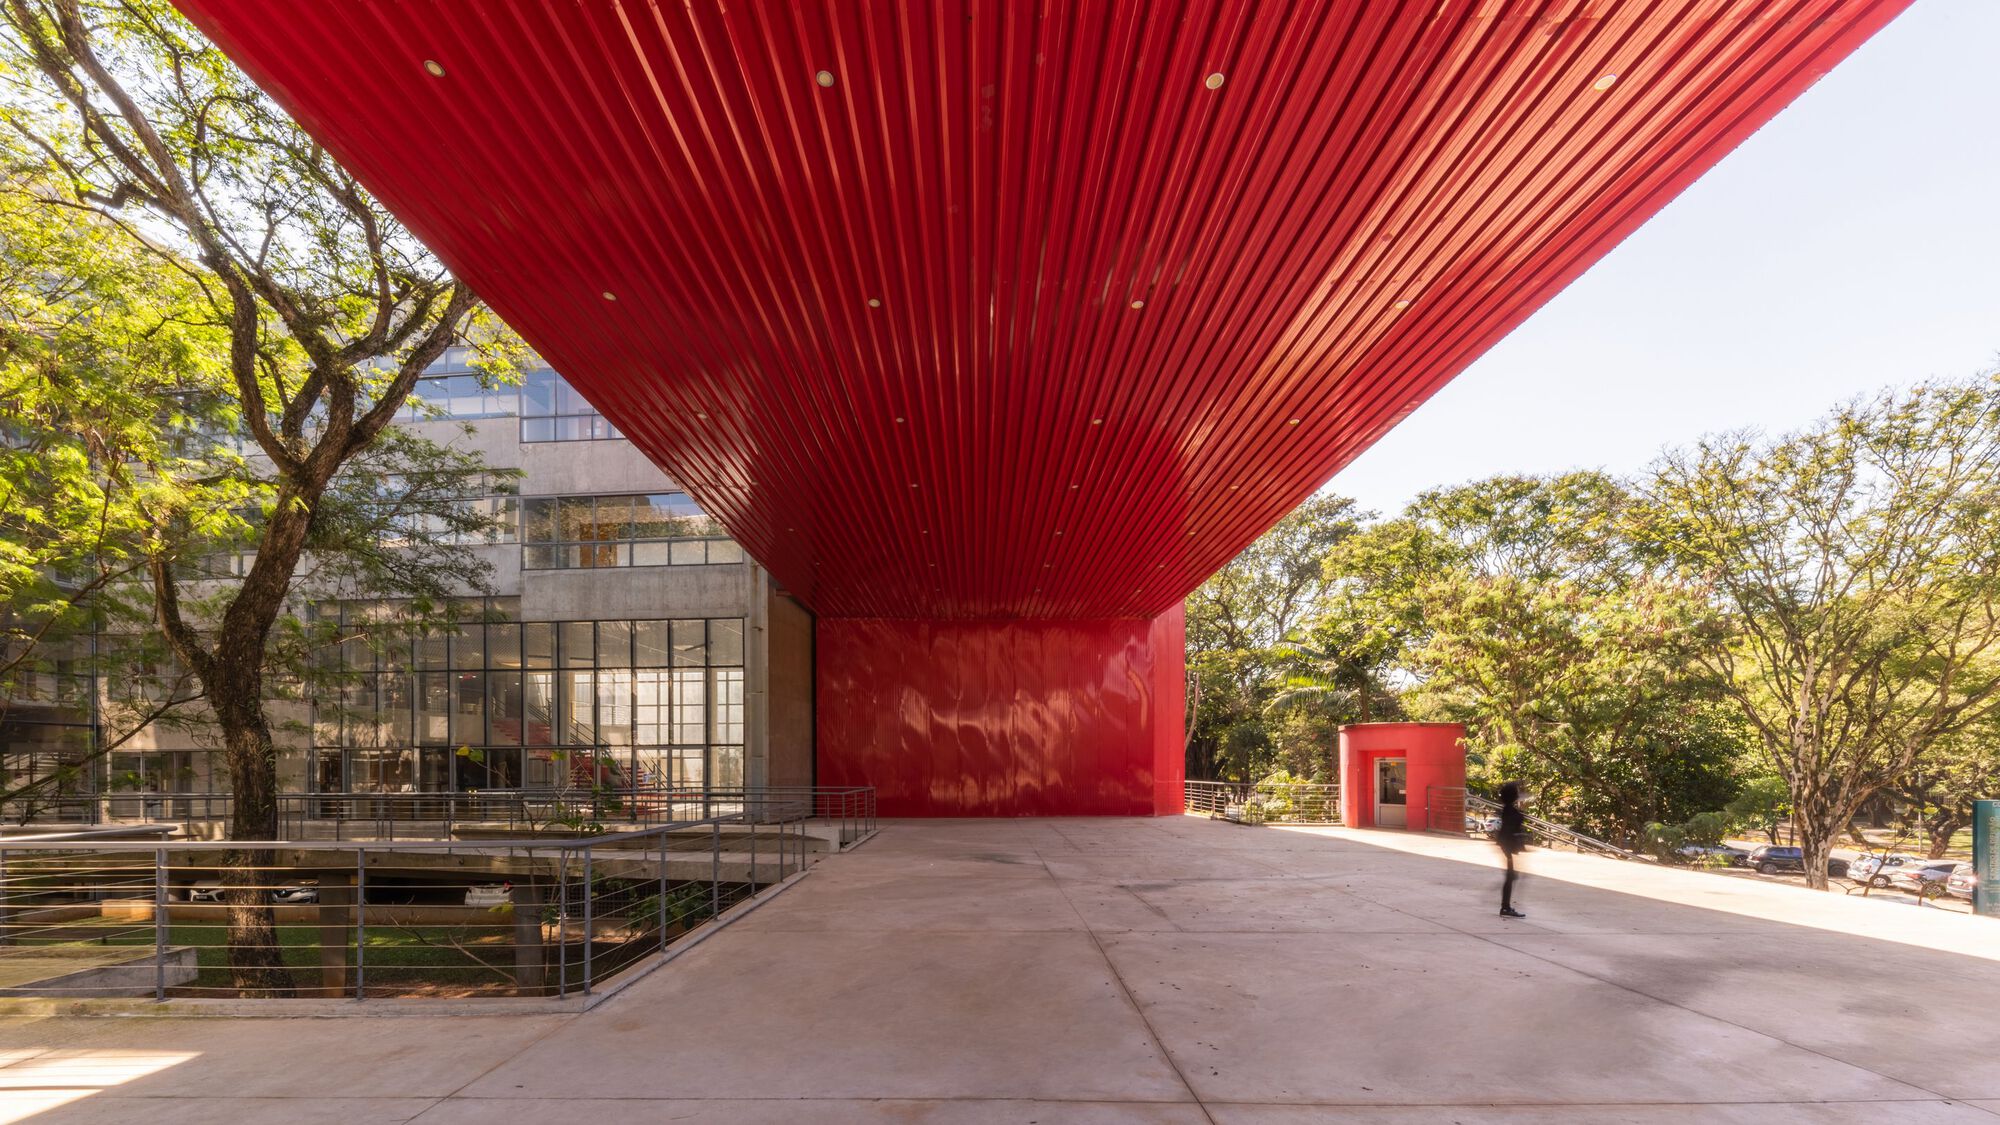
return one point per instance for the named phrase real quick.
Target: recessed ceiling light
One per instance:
(1097, 421)
(899, 421)
(913, 484)
(1604, 82)
(824, 78)
(1213, 81)
(608, 295)
(1232, 488)
(874, 302)
(1074, 487)
(1291, 421)
(434, 68)
(700, 415)
(1138, 304)
(1401, 305)
(1045, 566)
(1058, 531)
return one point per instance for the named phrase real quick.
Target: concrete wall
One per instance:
(791, 691)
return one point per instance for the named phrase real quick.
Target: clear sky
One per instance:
(1853, 243)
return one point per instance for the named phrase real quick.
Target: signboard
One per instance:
(1986, 857)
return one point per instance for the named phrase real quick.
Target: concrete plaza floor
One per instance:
(1174, 970)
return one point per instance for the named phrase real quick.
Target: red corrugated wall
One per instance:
(1004, 718)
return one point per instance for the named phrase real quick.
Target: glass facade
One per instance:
(548, 407)
(507, 704)
(649, 529)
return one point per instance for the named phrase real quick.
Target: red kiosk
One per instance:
(1388, 770)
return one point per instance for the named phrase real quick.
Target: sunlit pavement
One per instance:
(1174, 970)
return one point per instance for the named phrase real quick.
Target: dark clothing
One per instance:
(1513, 839)
(1513, 834)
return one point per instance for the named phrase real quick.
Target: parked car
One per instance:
(1770, 859)
(1481, 825)
(1876, 869)
(297, 894)
(1713, 853)
(489, 894)
(1926, 879)
(1962, 882)
(208, 890)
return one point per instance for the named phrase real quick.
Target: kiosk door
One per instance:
(1392, 784)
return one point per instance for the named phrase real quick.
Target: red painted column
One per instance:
(1004, 718)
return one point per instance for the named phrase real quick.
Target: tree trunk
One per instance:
(256, 962)
(1941, 829)
(1814, 830)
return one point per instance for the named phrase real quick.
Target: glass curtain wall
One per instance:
(538, 705)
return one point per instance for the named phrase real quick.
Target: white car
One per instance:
(1875, 870)
(489, 894)
(1925, 878)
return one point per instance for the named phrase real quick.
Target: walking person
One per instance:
(1512, 838)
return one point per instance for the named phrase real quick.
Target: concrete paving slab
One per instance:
(1752, 1113)
(819, 1111)
(397, 1058)
(1271, 904)
(1339, 1018)
(117, 1110)
(1873, 1004)
(881, 901)
(860, 1015)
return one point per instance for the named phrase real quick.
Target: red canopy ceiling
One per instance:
(992, 309)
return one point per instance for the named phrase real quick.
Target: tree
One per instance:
(1239, 622)
(1942, 785)
(327, 310)
(1856, 567)
(1570, 659)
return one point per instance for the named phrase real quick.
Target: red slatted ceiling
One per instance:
(886, 329)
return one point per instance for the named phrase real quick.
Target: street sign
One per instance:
(1986, 857)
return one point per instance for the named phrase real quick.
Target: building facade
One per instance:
(627, 641)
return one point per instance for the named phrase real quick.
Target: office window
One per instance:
(650, 529)
(552, 410)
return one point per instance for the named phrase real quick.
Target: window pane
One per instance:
(538, 429)
(538, 395)
(468, 719)
(538, 708)
(688, 710)
(652, 643)
(433, 708)
(690, 644)
(538, 519)
(576, 519)
(540, 558)
(729, 705)
(578, 644)
(468, 649)
(614, 707)
(725, 641)
(538, 644)
(689, 552)
(504, 700)
(579, 718)
(724, 551)
(431, 651)
(503, 646)
(614, 644)
(655, 553)
(614, 518)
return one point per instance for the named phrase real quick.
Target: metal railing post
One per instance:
(663, 890)
(562, 923)
(160, 924)
(714, 869)
(589, 913)
(360, 924)
(753, 860)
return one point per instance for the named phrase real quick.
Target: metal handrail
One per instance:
(580, 907)
(433, 813)
(1550, 831)
(1308, 802)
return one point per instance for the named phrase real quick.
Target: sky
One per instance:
(1851, 244)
